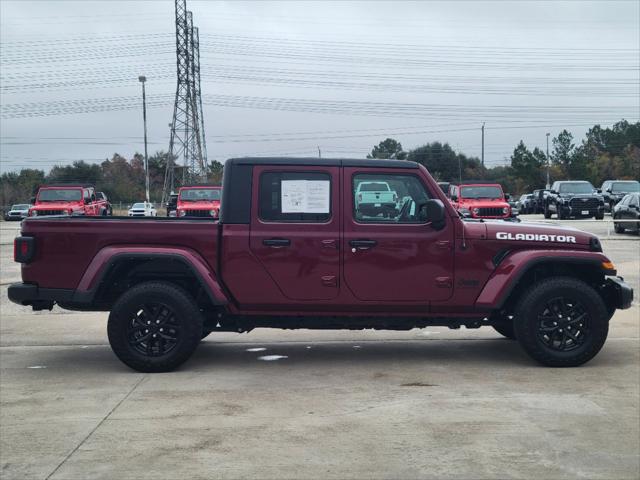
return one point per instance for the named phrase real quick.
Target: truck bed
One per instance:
(70, 243)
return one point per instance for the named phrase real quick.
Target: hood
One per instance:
(538, 234)
(56, 205)
(580, 195)
(205, 205)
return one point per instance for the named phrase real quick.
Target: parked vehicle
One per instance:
(444, 186)
(199, 201)
(614, 190)
(17, 212)
(171, 205)
(292, 250)
(142, 209)
(577, 199)
(375, 197)
(525, 204)
(101, 198)
(627, 209)
(480, 200)
(67, 200)
(539, 200)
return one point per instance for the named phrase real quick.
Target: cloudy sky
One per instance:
(284, 78)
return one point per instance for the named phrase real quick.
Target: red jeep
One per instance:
(293, 250)
(71, 200)
(480, 200)
(199, 201)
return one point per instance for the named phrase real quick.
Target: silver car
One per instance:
(17, 212)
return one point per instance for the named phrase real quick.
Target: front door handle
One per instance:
(362, 244)
(276, 242)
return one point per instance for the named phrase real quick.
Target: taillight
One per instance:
(23, 249)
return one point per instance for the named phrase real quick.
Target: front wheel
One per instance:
(561, 322)
(547, 212)
(599, 216)
(154, 327)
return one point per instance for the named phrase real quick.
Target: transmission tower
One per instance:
(186, 140)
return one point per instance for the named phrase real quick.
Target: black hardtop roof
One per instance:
(323, 162)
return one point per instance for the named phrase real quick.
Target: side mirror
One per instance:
(507, 196)
(32, 200)
(454, 198)
(433, 212)
(608, 190)
(598, 190)
(93, 197)
(553, 191)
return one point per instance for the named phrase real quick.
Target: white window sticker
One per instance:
(305, 196)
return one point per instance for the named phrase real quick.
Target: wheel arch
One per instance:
(522, 269)
(115, 269)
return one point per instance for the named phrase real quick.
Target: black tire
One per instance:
(562, 215)
(618, 227)
(543, 319)
(505, 329)
(599, 216)
(168, 342)
(547, 212)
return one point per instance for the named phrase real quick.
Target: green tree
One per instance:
(563, 149)
(388, 149)
(527, 166)
(214, 172)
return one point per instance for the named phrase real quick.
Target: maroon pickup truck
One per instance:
(292, 250)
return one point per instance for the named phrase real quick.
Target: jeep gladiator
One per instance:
(291, 250)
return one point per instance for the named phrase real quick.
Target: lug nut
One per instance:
(161, 330)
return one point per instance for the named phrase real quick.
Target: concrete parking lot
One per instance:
(428, 403)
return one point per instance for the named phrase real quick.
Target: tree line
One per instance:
(604, 153)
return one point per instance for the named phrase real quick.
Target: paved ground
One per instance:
(425, 403)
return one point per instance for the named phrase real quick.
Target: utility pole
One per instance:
(548, 183)
(142, 80)
(319, 152)
(483, 144)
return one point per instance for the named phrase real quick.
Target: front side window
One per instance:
(294, 197)
(382, 198)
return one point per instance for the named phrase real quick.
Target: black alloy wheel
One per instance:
(563, 324)
(153, 330)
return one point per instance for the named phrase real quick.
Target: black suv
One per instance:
(574, 199)
(614, 190)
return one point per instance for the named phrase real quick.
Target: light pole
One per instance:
(143, 79)
(548, 184)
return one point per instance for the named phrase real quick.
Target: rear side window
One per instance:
(294, 197)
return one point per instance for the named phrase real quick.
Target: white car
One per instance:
(142, 209)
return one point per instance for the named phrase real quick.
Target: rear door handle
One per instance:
(276, 242)
(362, 244)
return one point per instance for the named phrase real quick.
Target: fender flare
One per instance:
(513, 267)
(108, 257)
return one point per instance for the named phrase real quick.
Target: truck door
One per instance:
(395, 256)
(295, 231)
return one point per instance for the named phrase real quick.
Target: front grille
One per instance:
(581, 204)
(491, 212)
(198, 213)
(50, 212)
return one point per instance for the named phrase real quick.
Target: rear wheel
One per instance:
(561, 322)
(154, 327)
(618, 227)
(547, 212)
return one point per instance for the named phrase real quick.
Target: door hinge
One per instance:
(443, 282)
(329, 280)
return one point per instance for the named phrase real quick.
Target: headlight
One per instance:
(505, 210)
(34, 213)
(182, 213)
(70, 212)
(214, 213)
(475, 211)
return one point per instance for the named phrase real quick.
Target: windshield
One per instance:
(481, 192)
(374, 187)
(625, 187)
(200, 194)
(138, 205)
(60, 195)
(20, 206)
(582, 187)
